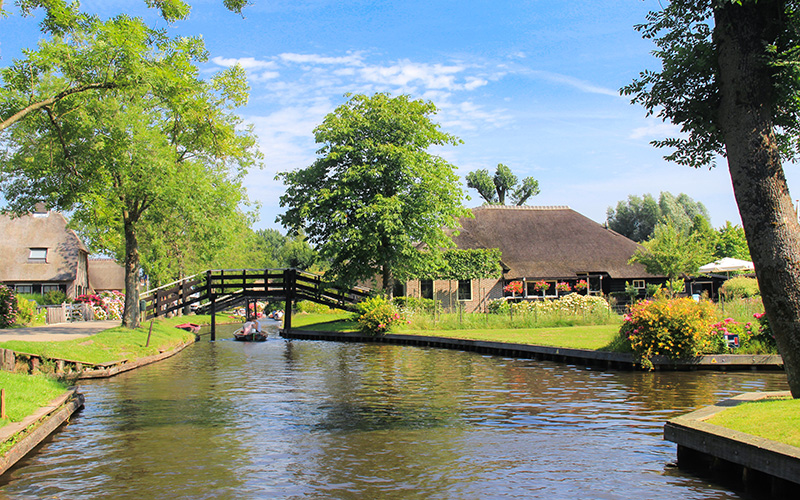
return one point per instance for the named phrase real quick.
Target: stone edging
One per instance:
(38, 427)
(560, 354)
(708, 446)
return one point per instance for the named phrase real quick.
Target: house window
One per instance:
(23, 288)
(426, 289)
(464, 289)
(38, 255)
(638, 284)
(399, 289)
(51, 288)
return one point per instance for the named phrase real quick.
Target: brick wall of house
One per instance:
(446, 293)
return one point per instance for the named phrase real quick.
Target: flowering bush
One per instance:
(764, 334)
(8, 310)
(376, 315)
(563, 286)
(113, 304)
(568, 305)
(513, 288)
(726, 331)
(581, 285)
(676, 328)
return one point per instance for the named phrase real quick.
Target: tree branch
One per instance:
(47, 102)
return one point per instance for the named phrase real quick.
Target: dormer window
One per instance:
(38, 255)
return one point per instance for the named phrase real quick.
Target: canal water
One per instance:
(307, 419)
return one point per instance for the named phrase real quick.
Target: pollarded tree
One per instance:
(376, 193)
(494, 189)
(120, 157)
(730, 78)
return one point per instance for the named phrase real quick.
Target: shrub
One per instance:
(26, 311)
(717, 343)
(53, 297)
(740, 287)
(8, 307)
(676, 328)
(764, 335)
(416, 304)
(307, 306)
(376, 315)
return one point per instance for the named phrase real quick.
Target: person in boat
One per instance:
(251, 327)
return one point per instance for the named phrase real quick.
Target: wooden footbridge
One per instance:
(221, 289)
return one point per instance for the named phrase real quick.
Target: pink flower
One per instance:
(758, 315)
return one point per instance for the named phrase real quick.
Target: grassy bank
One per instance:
(114, 344)
(27, 393)
(774, 419)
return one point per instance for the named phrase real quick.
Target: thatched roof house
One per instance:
(39, 254)
(552, 244)
(106, 275)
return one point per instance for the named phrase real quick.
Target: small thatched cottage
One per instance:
(539, 244)
(38, 254)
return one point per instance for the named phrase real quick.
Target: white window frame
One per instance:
(38, 255)
(639, 284)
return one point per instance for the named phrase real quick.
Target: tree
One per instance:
(494, 189)
(123, 159)
(729, 78)
(375, 195)
(671, 252)
(731, 242)
(637, 217)
(62, 19)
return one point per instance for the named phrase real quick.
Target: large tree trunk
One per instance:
(768, 216)
(130, 316)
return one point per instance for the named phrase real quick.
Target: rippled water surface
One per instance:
(303, 419)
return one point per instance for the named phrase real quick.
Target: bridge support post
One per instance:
(289, 279)
(213, 307)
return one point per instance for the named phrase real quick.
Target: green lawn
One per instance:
(774, 419)
(114, 344)
(27, 393)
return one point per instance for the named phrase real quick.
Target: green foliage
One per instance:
(572, 308)
(464, 264)
(676, 328)
(375, 193)
(53, 297)
(8, 307)
(731, 242)
(26, 311)
(671, 252)
(306, 306)
(740, 287)
(27, 393)
(636, 218)
(376, 315)
(164, 142)
(494, 189)
(416, 304)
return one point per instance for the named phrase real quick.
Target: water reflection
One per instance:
(301, 419)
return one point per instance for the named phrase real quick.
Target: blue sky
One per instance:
(531, 84)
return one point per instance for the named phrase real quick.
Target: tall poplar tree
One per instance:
(730, 78)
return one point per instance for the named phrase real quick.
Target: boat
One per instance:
(189, 327)
(253, 336)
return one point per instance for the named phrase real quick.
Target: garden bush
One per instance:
(8, 307)
(416, 304)
(26, 311)
(376, 315)
(740, 287)
(676, 328)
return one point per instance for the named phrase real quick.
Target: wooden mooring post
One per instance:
(289, 277)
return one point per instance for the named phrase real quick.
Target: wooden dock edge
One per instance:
(35, 428)
(752, 462)
(606, 359)
(130, 365)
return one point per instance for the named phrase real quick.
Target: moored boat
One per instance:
(252, 336)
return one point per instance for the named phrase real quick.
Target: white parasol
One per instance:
(727, 264)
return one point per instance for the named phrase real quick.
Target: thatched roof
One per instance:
(106, 274)
(41, 229)
(549, 242)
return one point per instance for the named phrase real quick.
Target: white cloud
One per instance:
(656, 129)
(576, 83)
(245, 62)
(349, 60)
